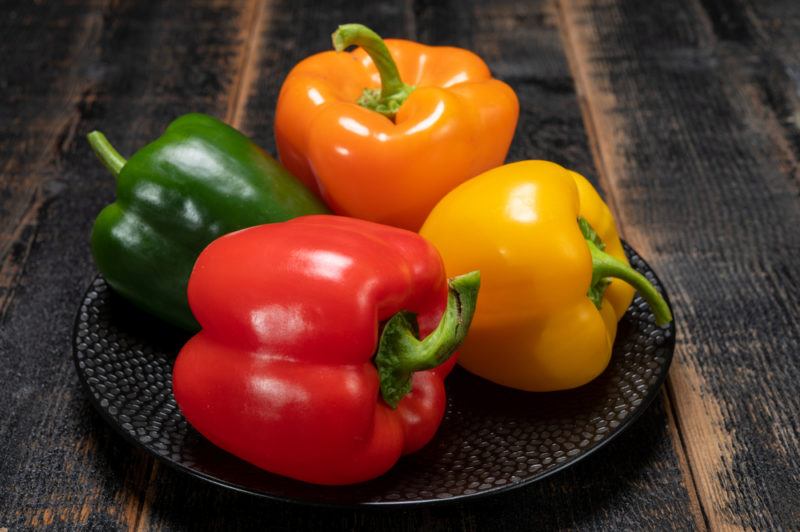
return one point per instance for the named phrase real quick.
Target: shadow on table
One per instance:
(631, 478)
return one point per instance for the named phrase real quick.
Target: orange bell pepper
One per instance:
(376, 148)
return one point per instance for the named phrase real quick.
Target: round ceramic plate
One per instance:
(492, 438)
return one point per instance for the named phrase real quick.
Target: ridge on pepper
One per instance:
(383, 132)
(199, 180)
(293, 371)
(555, 277)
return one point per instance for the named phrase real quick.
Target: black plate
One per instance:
(492, 439)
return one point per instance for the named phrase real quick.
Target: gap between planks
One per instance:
(255, 14)
(253, 20)
(592, 124)
(707, 435)
(60, 123)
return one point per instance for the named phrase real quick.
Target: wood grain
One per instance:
(37, 124)
(766, 34)
(691, 110)
(252, 24)
(637, 482)
(126, 68)
(704, 183)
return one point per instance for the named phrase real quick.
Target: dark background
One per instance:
(686, 114)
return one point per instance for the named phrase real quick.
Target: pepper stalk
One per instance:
(605, 267)
(401, 353)
(107, 154)
(393, 91)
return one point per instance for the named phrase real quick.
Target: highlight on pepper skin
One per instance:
(555, 277)
(200, 180)
(321, 342)
(383, 132)
(291, 371)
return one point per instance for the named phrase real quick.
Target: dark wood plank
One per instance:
(111, 71)
(703, 177)
(37, 118)
(766, 33)
(637, 482)
(126, 68)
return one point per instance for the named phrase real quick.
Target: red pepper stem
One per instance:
(393, 91)
(401, 353)
(106, 152)
(605, 266)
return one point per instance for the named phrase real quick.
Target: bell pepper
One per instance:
(199, 180)
(282, 373)
(384, 140)
(555, 276)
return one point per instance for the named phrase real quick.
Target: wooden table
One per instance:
(685, 113)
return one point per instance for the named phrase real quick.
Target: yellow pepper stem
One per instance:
(401, 353)
(393, 91)
(605, 266)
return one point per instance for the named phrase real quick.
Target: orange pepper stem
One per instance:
(393, 91)
(401, 353)
(606, 267)
(109, 156)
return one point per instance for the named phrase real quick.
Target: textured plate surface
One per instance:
(491, 439)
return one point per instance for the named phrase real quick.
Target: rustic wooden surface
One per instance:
(685, 113)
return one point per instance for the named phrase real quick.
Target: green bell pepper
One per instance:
(201, 179)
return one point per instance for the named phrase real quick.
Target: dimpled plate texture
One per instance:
(492, 438)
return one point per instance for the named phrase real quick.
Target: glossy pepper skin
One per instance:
(282, 373)
(199, 180)
(389, 153)
(536, 327)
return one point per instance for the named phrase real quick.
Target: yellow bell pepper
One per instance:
(555, 279)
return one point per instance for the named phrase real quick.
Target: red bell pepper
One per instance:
(287, 369)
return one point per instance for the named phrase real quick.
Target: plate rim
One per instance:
(645, 404)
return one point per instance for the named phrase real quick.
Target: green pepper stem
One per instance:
(393, 91)
(605, 266)
(106, 152)
(400, 353)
